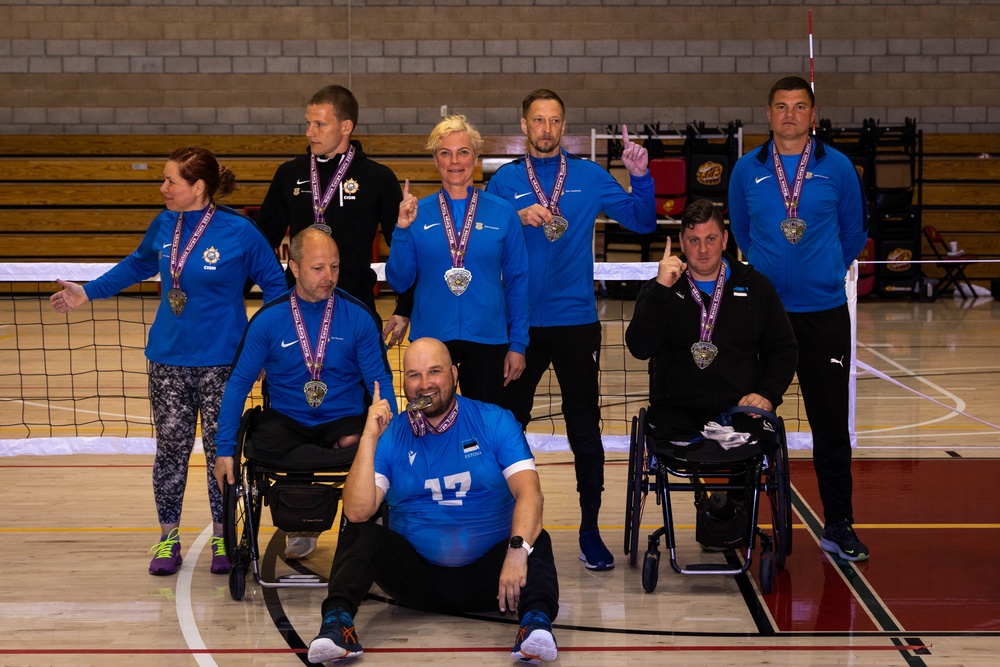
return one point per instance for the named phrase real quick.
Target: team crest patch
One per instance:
(709, 173)
(479, 226)
(471, 448)
(211, 256)
(296, 192)
(351, 186)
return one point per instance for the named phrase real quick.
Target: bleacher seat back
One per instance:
(669, 184)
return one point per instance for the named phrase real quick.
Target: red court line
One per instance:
(566, 649)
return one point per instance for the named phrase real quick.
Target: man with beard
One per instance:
(322, 354)
(558, 196)
(465, 515)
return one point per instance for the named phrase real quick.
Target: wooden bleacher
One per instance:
(91, 197)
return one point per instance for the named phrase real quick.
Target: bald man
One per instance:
(465, 510)
(324, 406)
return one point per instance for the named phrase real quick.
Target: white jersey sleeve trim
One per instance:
(382, 482)
(526, 464)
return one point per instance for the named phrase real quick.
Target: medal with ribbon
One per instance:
(176, 296)
(314, 389)
(419, 423)
(553, 230)
(793, 227)
(704, 352)
(458, 277)
(320, 204)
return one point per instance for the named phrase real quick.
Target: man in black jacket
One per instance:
(337, 188)
(716, 331)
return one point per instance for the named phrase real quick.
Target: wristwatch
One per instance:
(517, 542)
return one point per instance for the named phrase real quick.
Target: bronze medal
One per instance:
(315, 393)
(458, 280)
(177, 300)
(704, 354)
(793, 229)
(556, 228)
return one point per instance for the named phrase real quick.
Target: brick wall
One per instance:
(248, 66)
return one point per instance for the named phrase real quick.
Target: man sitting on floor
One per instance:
(465, 515)
(322, 353)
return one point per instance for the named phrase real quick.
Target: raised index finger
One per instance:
(406, 188)
(375, 394)
(666, 251)
(625, 138)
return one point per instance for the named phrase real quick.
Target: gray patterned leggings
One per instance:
(177, 393)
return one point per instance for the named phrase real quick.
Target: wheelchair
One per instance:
(723, 522)
(302, 490)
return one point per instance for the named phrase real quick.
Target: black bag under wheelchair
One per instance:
(302, 489)
(726, 511)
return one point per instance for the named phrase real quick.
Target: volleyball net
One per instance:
(77, 383)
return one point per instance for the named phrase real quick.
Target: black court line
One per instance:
(273, 601)
(861, 589)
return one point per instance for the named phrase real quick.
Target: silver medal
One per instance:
(315, 393)
(556, 228)
(793, 229)
(458, 280)
(703, 354)
(419, 403)
(176, 298)
(323, 228)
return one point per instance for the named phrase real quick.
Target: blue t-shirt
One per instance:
(448, 493)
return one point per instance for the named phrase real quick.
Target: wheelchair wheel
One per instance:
(767, 563)
(628, 488)
(636, 497)
(779, 493)
(237, 581)
(650, 570)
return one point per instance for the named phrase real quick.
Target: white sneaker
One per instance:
(300, 545)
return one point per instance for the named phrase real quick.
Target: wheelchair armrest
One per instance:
(752, 410)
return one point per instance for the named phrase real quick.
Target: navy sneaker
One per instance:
(593, 553)
(535, 642)
(337, 639)
(840, 538)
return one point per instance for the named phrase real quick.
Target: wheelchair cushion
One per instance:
(704, 452)
(304, 458)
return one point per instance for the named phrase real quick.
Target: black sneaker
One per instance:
(535, 642)
(839, 538)
(337, 639)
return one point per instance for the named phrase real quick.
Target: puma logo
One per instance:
(838, 361)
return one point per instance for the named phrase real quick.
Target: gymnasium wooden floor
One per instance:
(75, 531)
